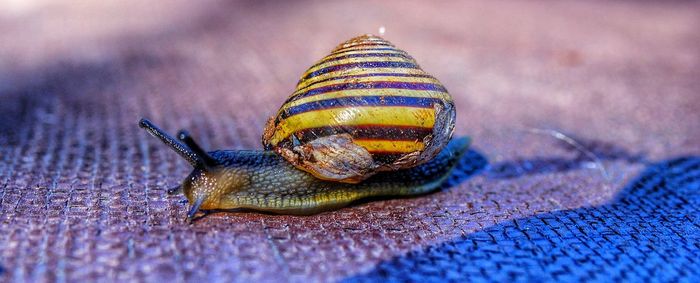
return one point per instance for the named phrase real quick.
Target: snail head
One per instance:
(209, 180)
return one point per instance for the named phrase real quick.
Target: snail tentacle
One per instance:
(194, 209)
(184, 151)
(206, 160)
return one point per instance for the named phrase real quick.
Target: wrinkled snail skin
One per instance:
(273, 185)
(264, 181)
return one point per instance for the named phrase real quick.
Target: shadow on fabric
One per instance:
(650, 231)
(604, 151)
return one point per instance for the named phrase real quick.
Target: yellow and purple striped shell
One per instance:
(366, 107)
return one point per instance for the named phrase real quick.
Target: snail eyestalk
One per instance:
(207, 160)
(186, 153)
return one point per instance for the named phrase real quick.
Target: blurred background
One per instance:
(82, 187)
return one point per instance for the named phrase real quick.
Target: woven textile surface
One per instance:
(82, 188)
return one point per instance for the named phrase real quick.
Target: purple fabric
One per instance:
(82, 188)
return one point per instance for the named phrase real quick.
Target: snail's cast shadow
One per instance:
(474, 163)
(650, 231)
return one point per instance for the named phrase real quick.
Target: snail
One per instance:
(363, 122)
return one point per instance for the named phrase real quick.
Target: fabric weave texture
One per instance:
(82, 188)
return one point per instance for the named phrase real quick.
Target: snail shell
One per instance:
(366, 107)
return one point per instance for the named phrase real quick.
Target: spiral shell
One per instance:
(366, 107)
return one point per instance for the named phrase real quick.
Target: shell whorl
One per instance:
(374, 92)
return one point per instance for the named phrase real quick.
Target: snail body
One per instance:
(365, 108)
(365, 121)
(262, 180)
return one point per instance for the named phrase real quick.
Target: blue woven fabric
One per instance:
(651, 232)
